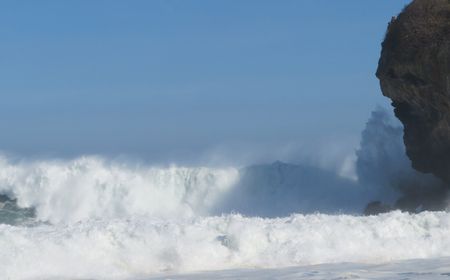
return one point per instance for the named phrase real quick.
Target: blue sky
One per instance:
(177, 80)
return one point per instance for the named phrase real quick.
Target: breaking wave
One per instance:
(96, 218)
(138, 247)
(92, 188)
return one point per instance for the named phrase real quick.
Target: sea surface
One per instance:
(93, 218)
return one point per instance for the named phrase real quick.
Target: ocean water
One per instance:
(424, 269)
(97, 218)
(91, 218)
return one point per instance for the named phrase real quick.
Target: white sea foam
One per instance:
(418, 269)
(90, 187)
(138, 247)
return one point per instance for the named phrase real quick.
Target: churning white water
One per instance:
(91, 187)
(94, 218)
(138, 247)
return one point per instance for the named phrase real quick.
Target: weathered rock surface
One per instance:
(414, 72)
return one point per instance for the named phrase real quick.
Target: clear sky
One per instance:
(178, 80)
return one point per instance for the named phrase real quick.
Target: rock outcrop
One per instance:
(414, 72)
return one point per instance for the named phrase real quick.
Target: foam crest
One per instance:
(90, 187)
(138, 247)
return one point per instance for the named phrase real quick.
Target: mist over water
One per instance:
(137, 219)
(66, 191)
(382, 165)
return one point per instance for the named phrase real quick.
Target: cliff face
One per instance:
(414, 72)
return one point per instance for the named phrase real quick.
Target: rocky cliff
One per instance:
(414, 72)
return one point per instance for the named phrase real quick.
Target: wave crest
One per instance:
(90, 188)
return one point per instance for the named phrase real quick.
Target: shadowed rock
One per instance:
(414, 72)
(376, 207)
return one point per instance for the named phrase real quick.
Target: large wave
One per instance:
(91, 188)
(67, 191)
(92, 217)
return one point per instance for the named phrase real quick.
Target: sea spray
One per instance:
(91, 187)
